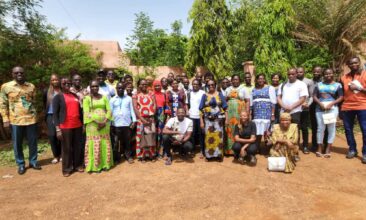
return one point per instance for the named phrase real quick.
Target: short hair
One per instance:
(276, 74)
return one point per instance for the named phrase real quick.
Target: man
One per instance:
(164, 85)
(17, 99)
(194, 98)
(104, 89)
(77, 89)
(317, 77)
(185, 83)
(170, 79)
(124, 120)
(111, 79)
(224, 85)
(177, 132)
(354, 105)
(248, 83)
(199, 77)
(305, 116)
(291, 95)
(129, 80)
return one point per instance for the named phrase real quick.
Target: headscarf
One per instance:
(285, 115)
(159, 96)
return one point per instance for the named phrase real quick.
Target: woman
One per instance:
(275, 79)
(237, 101)
(262, 101)
(176, 98)
(145, 106)
(213, 107)
(48, 96)
(159, 115)
(245, 147)
(97, 117)
(327, 95)
(67, 118)
(283, 141)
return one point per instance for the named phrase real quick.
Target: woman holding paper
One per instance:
(327, 95)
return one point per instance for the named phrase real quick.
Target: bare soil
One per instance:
(319, 188)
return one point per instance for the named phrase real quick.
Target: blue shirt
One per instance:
(122, 111)
(327, 92)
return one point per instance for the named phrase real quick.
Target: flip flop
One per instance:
(327, 155)
(318, 154)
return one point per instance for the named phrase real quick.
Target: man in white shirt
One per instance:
(291, 95)
(194, 98)
(177, 132)
(124, 120)
(104, 89)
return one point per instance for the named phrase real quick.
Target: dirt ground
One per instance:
(319, 188)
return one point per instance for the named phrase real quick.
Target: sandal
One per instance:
(168, 162)
(327, 155)
(55, 160)
(318, 154)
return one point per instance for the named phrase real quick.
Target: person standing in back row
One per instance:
(305, 116)
(354, 105)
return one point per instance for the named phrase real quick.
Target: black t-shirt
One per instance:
(247, 131)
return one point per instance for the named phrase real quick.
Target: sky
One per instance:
(112, 19)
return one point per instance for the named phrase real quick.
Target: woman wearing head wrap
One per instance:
(283, 141)
(161, 106)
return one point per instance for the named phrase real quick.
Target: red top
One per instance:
(354, 101)
(72, 119)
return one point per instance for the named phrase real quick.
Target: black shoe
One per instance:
(351, 154)
(35, 166)
(253, 161)
(305, 150)
(363, 160)
(21, 170)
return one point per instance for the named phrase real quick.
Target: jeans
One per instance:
(17, 133)
(251, 149)
(348, 122)
(197, 135)
(321, 127)
(52, 137)
(183, 149)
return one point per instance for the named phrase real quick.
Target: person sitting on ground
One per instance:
(177, 132)
(245, 140)
(283, 141)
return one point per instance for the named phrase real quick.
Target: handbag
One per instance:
(329, 118)
(276, 163)
(148, 136)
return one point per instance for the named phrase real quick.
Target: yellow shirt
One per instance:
(17, 103)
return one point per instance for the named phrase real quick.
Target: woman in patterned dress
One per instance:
(176, 98)
(144, 105)
(213, 107)
(97, 117)
(237, 101)
(262, 101)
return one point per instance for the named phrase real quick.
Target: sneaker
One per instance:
(54, 161)
(130, 160)
(305, 150)
(363, 160)
(351, 154)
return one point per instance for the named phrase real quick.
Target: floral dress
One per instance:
(145, 135)
(236, 103)
(213, 108)
(98, 151)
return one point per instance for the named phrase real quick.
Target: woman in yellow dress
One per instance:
(284, 141)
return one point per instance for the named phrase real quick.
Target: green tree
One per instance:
(275, 47)
(338, 26)
(209, 44)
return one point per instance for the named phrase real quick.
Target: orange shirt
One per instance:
(353, 101)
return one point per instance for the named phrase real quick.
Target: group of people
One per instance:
(91, 129)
